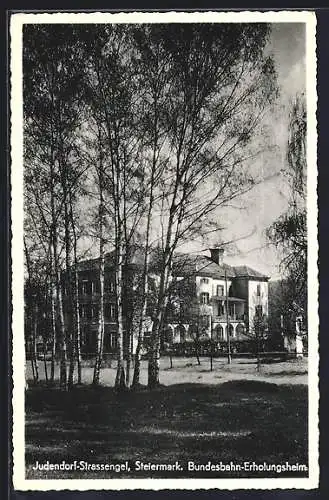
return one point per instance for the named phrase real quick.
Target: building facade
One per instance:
(215, 300)
(209, 300)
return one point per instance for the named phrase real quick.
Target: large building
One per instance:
(214, 298)
(208, 299)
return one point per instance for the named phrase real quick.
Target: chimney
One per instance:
(217, 255)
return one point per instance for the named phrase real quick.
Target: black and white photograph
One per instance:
(164, 250)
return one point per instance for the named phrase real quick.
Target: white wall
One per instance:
(211, 286)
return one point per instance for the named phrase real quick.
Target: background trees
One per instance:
(156, 127)
(289, 232)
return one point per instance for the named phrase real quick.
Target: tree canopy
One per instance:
(289, 232)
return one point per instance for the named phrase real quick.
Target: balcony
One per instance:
(222, 298)
(188, 318)
(231, 317)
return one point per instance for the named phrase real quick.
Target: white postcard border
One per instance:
(18, 358)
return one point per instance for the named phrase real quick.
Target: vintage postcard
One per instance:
(164, 250)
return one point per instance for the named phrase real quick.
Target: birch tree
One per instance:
(153, 63)
(101, 226)
(114, 99)
(289, 232)
(220, 87)
(52, 77)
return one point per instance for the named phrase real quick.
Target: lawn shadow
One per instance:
(236, 420)
(286, 373)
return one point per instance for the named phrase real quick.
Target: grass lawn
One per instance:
(230, 414)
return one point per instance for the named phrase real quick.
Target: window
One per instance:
(221, 310)
(180, 333)
(230, 329)
(204, 298)
(220, 290)
(113, 340)
(109, 311)
(205, 321)
(112, 310)
(218, 333)
(85, 287)
(258, 290)
(240, 329)
(205, 280)
(83, 310)
(109, 286)
(94, 311)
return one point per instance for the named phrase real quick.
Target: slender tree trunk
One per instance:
(77, 324)
(128, 360)
(101, 215)
(70, 286)
(70, 317)
(33, 322)
(72, 343)
(154, 355)
(53, 306)
(100, 334)
(138, 354)
(60, 313)
(77, 320)
(63, 359)
(196, 349)
(45, 361)
(211, 345)
(136, 377)
(154, 360)
(34, 344)
(53, 331)
(33, 366)
(120, 382)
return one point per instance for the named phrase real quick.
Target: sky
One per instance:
(246, 224)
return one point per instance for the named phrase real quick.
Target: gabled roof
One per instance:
(248, 272)
(183, 265)
(200, 265)
(136, 260)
